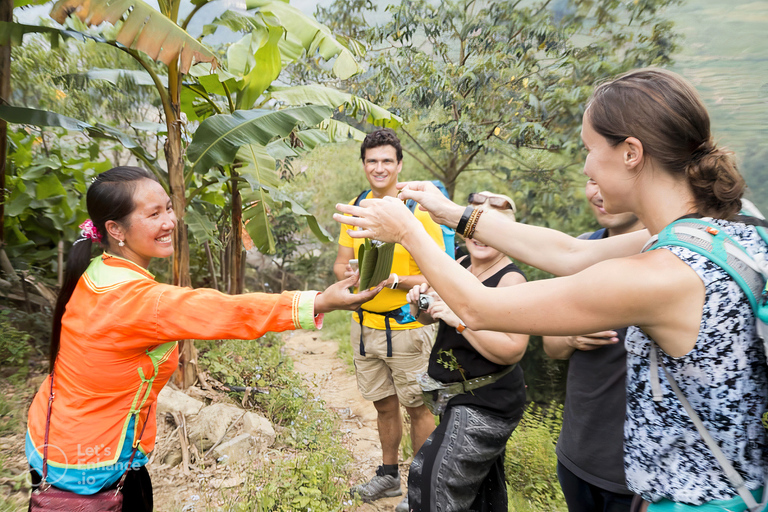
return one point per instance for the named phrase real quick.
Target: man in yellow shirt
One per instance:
(391, 347)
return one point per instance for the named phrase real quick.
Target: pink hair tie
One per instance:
(89, 230)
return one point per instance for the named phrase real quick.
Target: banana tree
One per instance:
(239, 143)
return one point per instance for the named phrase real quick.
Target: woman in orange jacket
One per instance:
(115, 328)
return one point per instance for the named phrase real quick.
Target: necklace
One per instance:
(487, 269)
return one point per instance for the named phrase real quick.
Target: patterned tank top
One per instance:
(725, 377)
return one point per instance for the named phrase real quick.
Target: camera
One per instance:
(424, 301)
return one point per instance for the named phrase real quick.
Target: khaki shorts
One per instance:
(379, 376)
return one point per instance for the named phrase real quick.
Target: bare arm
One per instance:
(544, 248)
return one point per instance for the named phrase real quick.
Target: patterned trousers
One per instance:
(461, 466)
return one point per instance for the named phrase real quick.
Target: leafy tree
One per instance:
(493, 85)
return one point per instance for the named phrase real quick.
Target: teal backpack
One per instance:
(711, 241)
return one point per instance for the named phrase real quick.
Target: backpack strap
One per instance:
(362, 196)
(714, 243)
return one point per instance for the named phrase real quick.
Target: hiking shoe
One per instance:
(380, 486)
(403, 505)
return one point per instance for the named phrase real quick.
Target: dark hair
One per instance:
(381, 137)
(664, 112)
(110, 197)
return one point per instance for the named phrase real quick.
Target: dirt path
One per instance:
(327, 377)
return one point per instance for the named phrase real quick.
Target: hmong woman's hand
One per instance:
(386, 219)
(338, 296)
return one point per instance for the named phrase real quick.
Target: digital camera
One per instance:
(424, 301)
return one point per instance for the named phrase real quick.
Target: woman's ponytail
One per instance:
(77, 261)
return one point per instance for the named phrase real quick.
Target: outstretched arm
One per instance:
(544, 248)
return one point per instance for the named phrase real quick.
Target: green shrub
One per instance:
(15, 348)
(530, 461)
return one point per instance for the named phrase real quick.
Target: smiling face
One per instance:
(617, 223)
(481, 253)
(381, 169)
(147, 231)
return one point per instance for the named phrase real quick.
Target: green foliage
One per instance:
(15, 349)
(314, 470)
(477, 79)
(46, 200)
(530, 460)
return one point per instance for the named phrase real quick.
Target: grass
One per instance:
(336, 327)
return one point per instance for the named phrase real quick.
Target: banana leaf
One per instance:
(218, 139)
(143, 28)
(47, 119)
(321, 95)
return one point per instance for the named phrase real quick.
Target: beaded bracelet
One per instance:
(473, 225)
(468, 225)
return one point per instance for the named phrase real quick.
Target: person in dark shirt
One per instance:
(461, 465)
(590, 450)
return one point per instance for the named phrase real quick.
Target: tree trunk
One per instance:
(6, 14)
(235, 273)
(187, 372)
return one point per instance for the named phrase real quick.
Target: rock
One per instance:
(211, 424)
(170, 400)
(260, 428)
(173, 458)
(240, 448)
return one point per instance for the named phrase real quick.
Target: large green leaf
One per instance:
(266, 68)
(320, 95)
(219, 137)
(47, 119)
(143, 28)
(312, 36)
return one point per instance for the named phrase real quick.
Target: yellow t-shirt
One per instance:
(402, 265)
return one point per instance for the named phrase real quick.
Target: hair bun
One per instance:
(713, 175)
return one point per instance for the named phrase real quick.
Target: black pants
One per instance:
(582, 496)
(137, 491)
(460, 467)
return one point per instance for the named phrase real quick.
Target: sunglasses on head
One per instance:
(496, 202)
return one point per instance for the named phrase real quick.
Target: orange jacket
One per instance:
(118, 349)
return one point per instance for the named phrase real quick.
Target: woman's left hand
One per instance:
(441, 311)
(386, 219)
(338, 296)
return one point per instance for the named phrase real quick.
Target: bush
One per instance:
(15, 349)
(530, 460)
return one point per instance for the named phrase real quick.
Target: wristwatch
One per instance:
(460, 328)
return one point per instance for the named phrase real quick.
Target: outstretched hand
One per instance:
(440, 208)
(386, 219)
(338, 296)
